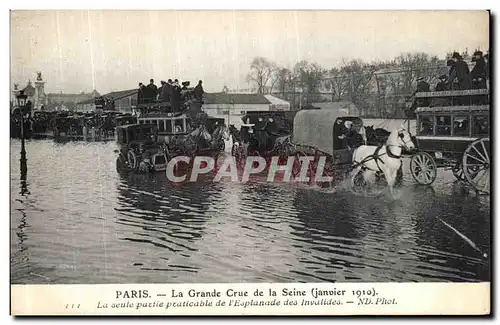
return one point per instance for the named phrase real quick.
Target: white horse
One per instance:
(386, 159)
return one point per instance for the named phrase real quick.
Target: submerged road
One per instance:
(76, 220)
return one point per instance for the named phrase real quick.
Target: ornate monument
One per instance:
(40, 98)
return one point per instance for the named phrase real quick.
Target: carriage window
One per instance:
(480, 125)
(443, 125)
(161, 125)
(461, 125)
(426, 125)
(179, 125)
(168, 126)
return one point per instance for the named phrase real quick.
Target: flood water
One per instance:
(76, 220)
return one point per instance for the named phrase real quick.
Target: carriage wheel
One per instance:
(132, 159)
(458, 171)
(121, 164)
(423, 168)
(476, 165)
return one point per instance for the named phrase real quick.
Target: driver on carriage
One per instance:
(247, 135)
(352, 137)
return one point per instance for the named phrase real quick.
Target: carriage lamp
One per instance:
(21, 100)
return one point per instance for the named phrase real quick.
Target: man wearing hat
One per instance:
(441, 85)
(459, 73)
(160, 91)
(198, 91)
(478, 76)
(176, 97)
(478, 73)
(167, 91)
(422, 86)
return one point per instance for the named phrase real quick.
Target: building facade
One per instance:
(232, 107)
(52, 101)
(124, 101)
(69, 101)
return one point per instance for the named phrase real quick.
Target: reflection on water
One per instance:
(75, 220)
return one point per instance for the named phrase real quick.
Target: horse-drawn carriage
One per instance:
(125, 119)
(321, 134)
(455, 137)
(186, 136)
(139, 149)
(262, 133)
(322, 155)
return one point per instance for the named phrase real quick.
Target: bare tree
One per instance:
(337, 82)
(415, 65)
(261, 71)
(281, 79)
(309, 77)
(361, 79)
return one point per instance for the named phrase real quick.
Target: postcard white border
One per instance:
(312, 4)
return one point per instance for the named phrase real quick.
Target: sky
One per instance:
(115, 50)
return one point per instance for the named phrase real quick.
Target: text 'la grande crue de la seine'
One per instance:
(242, 298)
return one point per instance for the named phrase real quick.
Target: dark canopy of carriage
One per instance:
(136, 134)
(278, 123)
(212, 123)
(321, 129)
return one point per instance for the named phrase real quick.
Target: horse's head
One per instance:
(402, 138)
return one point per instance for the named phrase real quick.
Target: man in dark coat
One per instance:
(353, 137)
(160, 91)
(152, 91)
(441, 85)
(459, 73)
(478, 73)
(422, 86)
(198, 91)
(478, 77)
(140, 94)
(459, 78)
(176, 97)
(167, 91)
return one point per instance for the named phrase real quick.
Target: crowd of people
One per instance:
(77, 123)
(459, 77)
(171, 92)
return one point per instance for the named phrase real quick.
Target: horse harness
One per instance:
(376, 155)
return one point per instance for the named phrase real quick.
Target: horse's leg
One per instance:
(354, 173)
(368, 175)
(390, 176)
